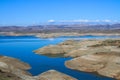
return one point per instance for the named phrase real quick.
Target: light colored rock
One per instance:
(81, 64)
(84, 51)
(69, 42)
(15, 67)
(111, 70)
(54, 75)
(65, 47)
(105, 63)
(113, 48)
(15, 62)
(4, 67)
(55, 49)
(87, 43)
(91, 56)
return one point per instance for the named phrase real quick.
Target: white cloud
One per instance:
(83, 20)
(51, 20)
(107, 20)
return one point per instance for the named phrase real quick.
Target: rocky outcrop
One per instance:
(84, 51)
(111, 70)
(14, 62)
(104, 63)
(101, 56)
(61, 48)
(64, 47)
(13, 69)
(108, 43)
(54, 49)
(54, 75)
(8, 76)
(84, 63)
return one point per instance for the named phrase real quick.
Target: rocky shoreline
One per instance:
(101, 56)
(13, 69)
(54, 35)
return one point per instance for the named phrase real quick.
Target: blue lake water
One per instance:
(21, 48)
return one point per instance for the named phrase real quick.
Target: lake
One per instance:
(21, 47)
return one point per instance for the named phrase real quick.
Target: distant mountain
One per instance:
(61, 28)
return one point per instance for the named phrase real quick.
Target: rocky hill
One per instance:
(80, 28)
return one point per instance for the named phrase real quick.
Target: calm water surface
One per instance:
(21, 48)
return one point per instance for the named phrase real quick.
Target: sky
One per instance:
(30, 12)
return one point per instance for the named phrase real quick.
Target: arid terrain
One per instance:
(13, 69)
(59, 39)
(100, 56)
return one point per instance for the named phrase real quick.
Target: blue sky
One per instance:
(28, 12)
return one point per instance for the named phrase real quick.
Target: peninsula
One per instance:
(100, 56)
